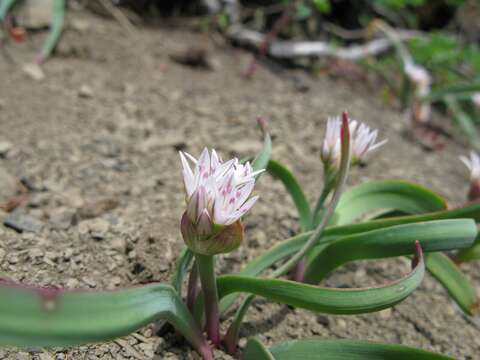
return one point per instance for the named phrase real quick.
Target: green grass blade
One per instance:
(291, 184)
(371, 196)
(263, 157)
(470, 254)
(327, 300)
(5, 6)
(460, 91)
(255, 350)
(457, 285)
(182, 265)
(32, 316)
(393, 241)
(348, 350)
(56, 28)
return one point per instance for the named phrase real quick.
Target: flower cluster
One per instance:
(362, 137)
(217, 194)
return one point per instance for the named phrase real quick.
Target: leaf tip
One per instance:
(263, 124)
(345, 132)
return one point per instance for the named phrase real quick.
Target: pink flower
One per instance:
(217, 192)
(363, 141)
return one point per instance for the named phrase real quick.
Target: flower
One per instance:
(473, 165)
(363, 141)
(417, 74)
(217, 196)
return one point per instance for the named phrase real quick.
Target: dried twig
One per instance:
(292, 49)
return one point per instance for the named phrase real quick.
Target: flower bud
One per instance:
(206, 238)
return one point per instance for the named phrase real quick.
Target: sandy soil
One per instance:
(97, 141)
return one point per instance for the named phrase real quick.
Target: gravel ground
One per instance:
(94, 140)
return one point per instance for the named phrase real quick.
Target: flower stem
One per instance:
(206, 270)
(192, 290)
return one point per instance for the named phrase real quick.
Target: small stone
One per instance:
(45, 356)
(385, 314)
(5, 147)
(96, 208)
(85, 92)
(2, 254)
(13, 258)
(19, 221)
(33, 71)
(62, 218)
(342, 324)
(8, 185)
(71, 283)
(119, 244)
(89, 281)
(60, 356)
(35, 253)
(97, 228)
(323, 320)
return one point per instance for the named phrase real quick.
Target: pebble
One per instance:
(62, 218)
(96, 208)
(385, 314)
(19, 221)
(2, 254)
(33, 71)
(8, 185)
(5, 147)
(85, 92)
(119, 244)
(97, 228)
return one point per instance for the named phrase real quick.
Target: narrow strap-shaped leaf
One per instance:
(397, 240)
(263, 157)
(348, 350)
(327, 300)
(279, 171)
(32, 316)
(371, 196)
(472, 253)
(255, 350)
(181, 268)
(5, 5)
(56, 28)
(465, 90)
(457, 285)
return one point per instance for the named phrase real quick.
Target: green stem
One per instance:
(206, 269)
(330, 177)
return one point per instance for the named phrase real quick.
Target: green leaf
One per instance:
(326, 300)
(323, 6)
(279, 171)
(457, 285)
(255, 350)
(347, 350)
(5, 6)
(459, 91)
(472, 253)
(32, 316)
(56, 28)
(393, 241)
(387, 195)
(261, 160)
(181, 269)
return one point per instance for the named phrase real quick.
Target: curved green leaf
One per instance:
(388, 242)
(263, 157)
(56, 28)
(279, 171)
(32, 316)
(255, 350)
(348, 350)
(181, 268)
(5, 5)
(371, 196)
(460, 91)
(457, 285)
(472, 253)
(327, 300)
